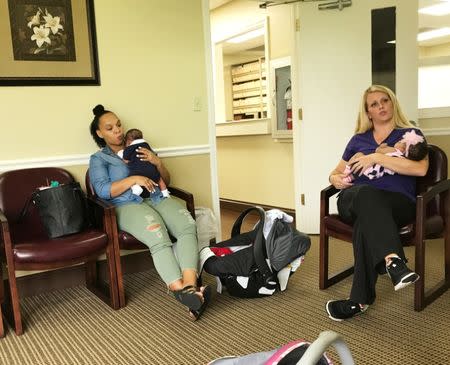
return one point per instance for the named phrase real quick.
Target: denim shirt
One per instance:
(105, 167)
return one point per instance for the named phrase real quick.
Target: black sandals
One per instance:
(189, 297)
(196, 314)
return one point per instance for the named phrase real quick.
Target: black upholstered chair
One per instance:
(432, 221)
(25, 245)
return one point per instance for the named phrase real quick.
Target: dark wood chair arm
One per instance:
(3, 219)
(328, 192)
(4, 226)
(186, 196)
(99, 212)
(436, 189)
(4, 232)
(325, 196)
(101, 203)
(425, 197)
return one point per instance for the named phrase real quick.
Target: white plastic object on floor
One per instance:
(318, 347)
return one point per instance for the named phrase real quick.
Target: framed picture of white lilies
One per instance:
(48, 42)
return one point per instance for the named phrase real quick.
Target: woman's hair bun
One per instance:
(98, 110)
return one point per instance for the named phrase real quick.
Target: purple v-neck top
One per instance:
(365, 143)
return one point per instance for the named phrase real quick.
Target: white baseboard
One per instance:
(83, 159)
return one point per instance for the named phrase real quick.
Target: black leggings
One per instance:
(376, 216)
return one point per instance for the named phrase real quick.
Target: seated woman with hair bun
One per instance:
(149, 221)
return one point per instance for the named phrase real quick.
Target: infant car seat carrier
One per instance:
(251, 265)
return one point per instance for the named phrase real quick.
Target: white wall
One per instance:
(334, 62)
(433, 91)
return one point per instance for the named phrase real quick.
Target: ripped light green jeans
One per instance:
(151, 223)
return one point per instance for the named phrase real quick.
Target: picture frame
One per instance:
(48, 42)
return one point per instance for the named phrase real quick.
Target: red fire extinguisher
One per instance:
(288, 98)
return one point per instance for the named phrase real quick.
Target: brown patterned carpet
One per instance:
(73, 327)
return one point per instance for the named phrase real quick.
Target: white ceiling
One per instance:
(426, 22)
(216, 3)
(256, 44)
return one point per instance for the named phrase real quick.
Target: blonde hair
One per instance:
(363, 123)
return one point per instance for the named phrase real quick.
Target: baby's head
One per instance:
(413, 146)
(132, 135)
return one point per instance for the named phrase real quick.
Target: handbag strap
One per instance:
(76, 189)
(26, 207)
(259, 247)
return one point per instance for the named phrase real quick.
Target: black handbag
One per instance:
(62, 209)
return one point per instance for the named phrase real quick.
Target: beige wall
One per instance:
(152, 66)
(435, 51)
(443, 122)
(443, 142)
(257, 173)
(255, 169)
(193, 174)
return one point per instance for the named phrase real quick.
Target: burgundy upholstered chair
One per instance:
(432, 221)
(126, 241)
(25, 245)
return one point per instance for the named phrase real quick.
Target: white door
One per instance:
(332, 64)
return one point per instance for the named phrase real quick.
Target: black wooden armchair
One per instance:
(432, 221)
(124, 240)
(25, 245)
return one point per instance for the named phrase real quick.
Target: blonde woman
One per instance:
(376, 207)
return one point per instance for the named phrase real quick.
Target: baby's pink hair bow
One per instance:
(411, 139)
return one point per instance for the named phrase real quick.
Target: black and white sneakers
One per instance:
(400, 274)
(338, 310)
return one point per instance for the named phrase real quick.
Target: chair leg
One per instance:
(116, 259)
(2, 327)
(101, 290)
(323, 259)
(15, 318)
(2, 297)
(115, 279)
(91, 274)
(419, 286)
(325, 280)
(109, 293)
(422, 299)
(120, 285)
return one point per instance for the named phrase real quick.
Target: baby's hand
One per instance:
(340, 181)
